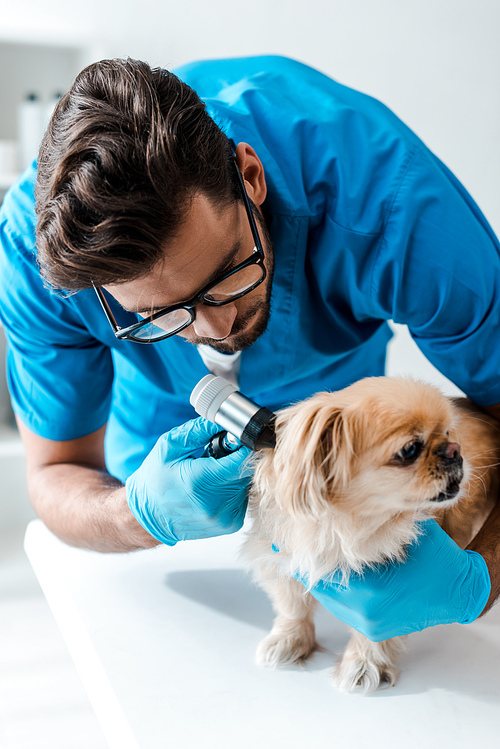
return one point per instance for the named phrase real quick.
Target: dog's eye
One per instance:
(410, 452)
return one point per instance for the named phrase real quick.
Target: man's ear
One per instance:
(313, 456)
(252, 171)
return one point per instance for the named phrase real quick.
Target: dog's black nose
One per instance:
(450, 452)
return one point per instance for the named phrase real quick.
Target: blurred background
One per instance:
(435, 63)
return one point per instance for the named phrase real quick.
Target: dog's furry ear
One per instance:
(313, 455)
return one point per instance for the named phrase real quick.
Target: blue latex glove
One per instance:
(175, 496)
(438, 583)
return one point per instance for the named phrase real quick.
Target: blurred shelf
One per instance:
(30, 66)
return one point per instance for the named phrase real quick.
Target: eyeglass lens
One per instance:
(229, 288)
(169, 323)
(236, 284)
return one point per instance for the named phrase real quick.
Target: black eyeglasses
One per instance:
(232, 285)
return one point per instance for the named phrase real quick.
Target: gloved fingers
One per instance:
(185, 439)
(332, 584)
(233, 517)
(431, 530)
(238, 464)
(480, 587)
(431, 534)
(433, 546)
(215, 475)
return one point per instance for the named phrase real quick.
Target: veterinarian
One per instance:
(278, 268)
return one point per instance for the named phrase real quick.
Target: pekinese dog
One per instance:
(352, 473)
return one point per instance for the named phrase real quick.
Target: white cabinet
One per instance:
(15, 508)
(31, 68)
(5, 411)
(27, 66)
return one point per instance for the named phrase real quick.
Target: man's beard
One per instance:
(260, 311)
(239, 338)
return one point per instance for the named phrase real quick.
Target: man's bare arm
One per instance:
(76, 498)
(487, 541)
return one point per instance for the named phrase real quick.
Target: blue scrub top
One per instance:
(367, 224)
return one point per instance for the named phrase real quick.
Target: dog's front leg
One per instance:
(367, 664)
(292, 638)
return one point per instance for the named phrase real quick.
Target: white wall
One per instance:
(436, 63)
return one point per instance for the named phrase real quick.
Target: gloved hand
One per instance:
(175, 496)
(438, 583)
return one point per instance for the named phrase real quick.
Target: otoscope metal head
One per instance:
(219, 401)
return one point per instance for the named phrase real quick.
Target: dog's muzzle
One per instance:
(453, 464)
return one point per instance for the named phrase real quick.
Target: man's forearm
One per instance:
(86, 507)
(487, 543)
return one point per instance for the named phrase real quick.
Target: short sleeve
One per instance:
(437, 270)
(60, 377)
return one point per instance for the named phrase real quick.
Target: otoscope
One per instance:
(243, 421)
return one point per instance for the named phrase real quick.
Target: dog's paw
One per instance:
(351, 674)
(285, 649)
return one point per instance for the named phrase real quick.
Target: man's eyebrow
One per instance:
(219, 271)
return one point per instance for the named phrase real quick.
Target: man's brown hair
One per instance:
(126, 149)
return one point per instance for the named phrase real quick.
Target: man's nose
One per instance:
(214, 322)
